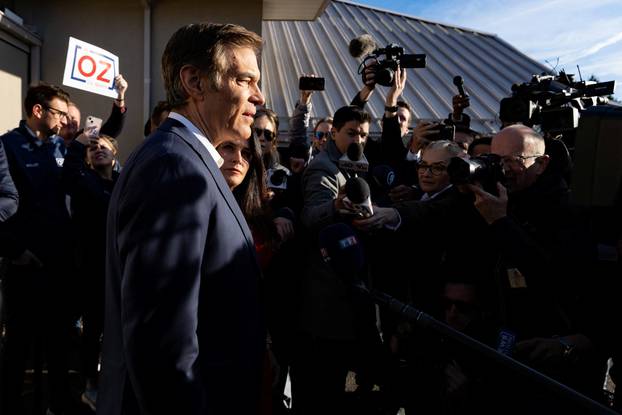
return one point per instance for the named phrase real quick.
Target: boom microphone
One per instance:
(362, 45)
(460, 84)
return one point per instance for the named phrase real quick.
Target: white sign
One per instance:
(90, 68)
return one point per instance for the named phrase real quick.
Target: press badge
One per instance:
(516, 279)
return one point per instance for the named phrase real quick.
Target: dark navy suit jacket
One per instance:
(184, 330)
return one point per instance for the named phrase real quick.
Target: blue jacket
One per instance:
(184, 329)
(42, 219)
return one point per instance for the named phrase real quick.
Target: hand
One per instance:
(420, 133)
(27, 258)
(120, 84)
(459, 103)
(305, 96)
(540, 351)
(296, 165)
(491, 207)
(86, 140)
(401, 193)
(380, 218)
(399, 83)
(369, 74)
(456, 379)
(284, 228)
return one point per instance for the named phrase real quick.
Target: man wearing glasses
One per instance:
(34, 243)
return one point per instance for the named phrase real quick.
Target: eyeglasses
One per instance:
(517, 161)
(435, 169)
(267, 134)
(57, 113)
(320, 135)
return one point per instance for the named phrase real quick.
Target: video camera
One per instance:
(553, 102)
(388, 58)
(485, 169)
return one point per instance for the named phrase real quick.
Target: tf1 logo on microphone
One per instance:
(90, 68)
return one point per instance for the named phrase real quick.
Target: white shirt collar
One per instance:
(199, 135)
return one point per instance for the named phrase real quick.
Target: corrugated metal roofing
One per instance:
(488, 65)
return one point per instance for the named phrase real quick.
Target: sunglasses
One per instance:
(267, 134)
(320, 135)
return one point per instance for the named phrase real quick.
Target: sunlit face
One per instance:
(403, 119)
(522, 157)
(432, 170)
(236, 156)
(100, 154)
(52, 117)
(321, 136)
(68, 132)
(229, 111)
(267, 140)
(351, 132)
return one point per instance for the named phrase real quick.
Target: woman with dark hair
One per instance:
(244, 172)
(89, 177)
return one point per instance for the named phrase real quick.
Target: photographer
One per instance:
(544, 250)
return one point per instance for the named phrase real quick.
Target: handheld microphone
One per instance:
(277, 178)
(341, 249)
(358, 197)
(384, 177)
(354, 160)
(458, 82)
(361, 45)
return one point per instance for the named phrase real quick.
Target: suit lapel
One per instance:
(178, 129)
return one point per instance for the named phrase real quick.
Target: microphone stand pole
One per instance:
(428, 322)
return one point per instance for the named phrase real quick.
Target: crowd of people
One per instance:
(201, 285)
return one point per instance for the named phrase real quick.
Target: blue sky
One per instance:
(583, 32)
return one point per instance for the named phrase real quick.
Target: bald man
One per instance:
(545, 257)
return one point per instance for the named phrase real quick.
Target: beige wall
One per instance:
(118, 26)
(13, 80)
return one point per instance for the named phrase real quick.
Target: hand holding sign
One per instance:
(90, 68)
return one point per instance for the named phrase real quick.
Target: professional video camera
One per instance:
(394, 56)
(485, 169)
(553, 102)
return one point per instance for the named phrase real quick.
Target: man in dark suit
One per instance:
(184, 331)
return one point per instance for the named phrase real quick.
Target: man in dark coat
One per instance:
(184, 331)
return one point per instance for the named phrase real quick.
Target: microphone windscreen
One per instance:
(357, 190)
(458, 80)
(278, 177)
(355, 151)
(341, 249)
(384, 176)
(362, 45)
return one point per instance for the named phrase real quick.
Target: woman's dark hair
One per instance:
(252, 193)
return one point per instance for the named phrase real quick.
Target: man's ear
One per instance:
(37, 111)
(333, 132)
(192, 81)
(542, 162)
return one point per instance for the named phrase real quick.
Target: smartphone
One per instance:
(442, 132)
(311, 83)
(92, 126)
